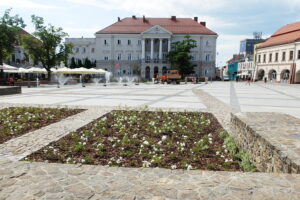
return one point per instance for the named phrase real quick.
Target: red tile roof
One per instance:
(137, 25)
(287, 34)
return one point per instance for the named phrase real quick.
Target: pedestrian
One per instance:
(248, 80)
(265, 79)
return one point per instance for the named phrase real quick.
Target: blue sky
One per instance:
(233, 20)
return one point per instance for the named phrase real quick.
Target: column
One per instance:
(152, 48)
(143, 49)
(160, 49)
(169, 44)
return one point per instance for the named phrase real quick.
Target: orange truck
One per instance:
(171, 76)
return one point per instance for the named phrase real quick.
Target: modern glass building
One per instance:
(247, 46)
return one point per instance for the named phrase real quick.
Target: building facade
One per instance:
(247, 46)
(278, 58)
(139, 46)
(246, 67)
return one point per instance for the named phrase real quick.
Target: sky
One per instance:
(233, 20)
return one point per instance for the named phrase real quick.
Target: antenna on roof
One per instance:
(257, 35)
(119, 19)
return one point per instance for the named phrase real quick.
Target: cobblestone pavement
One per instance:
(257, 97)
(22, 180)
(25, 180)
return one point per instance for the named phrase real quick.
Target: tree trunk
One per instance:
(1, 57)
(49, 75)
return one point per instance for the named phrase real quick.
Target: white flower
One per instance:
(163, 138)
(225, 150)
(209, 135)
(189, 167)
(173, 167)
(146, 142)
(217, 153)
(146, 164)
(226, 160)
(159, 143)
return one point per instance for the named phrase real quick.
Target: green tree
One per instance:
(88, 64)
(179, 56)
(9, 34)
(73, 63)
(47, 46)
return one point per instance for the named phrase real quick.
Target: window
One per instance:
(129, 56)
(291, 55)
(119, 42)
(207, 43)
(259, 58)
(283, 56)
(105, 42)
(83, 50)
(105, 58)
(270, 57)
(119, 56)
(298, 54)
(93, 50)
(129, 42)
(264, 58)
(192, 57)
(207, 57)
(276, 57)
(77, 50)
(139, 42)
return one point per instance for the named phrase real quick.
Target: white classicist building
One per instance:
(140, 46)
(278, 58)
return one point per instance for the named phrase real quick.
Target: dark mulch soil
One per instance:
(16, 121)
(143, 138)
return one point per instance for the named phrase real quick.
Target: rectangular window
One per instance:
(129, 56)
(139, 42)
(129, 42)
(276, 57)
(105, 42)
(83, 50)
(291, 55)
(283, 56)
(270, 57)
(119, 42)
(264, 58)
(93, 50)
(259, 58)
(77, 50)
(119, 56)
(298, 54)
(207, 57)
(105, 58)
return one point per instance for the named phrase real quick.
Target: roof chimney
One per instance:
(173, 18)
(196, 19)
(203, 23)
(133, 17)
(119, 19)
(144, 18)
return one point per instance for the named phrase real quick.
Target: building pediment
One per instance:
(157, 29)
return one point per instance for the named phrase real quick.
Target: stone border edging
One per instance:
(10, 90)
(267, 157)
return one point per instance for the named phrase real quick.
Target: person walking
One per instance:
(248, 80)
(265, 79)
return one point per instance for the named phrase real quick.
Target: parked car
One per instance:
(225, 78)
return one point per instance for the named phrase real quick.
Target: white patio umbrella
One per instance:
(8, 67)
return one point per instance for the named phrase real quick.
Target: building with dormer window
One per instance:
(145, 43)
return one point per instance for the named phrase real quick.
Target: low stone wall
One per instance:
(273, 146)
(10, 90)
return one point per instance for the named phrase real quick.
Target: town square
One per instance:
(148, 105)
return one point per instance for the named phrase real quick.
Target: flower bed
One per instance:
(183, 140)
(16, 121)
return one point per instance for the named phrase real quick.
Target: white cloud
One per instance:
(28, 4)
